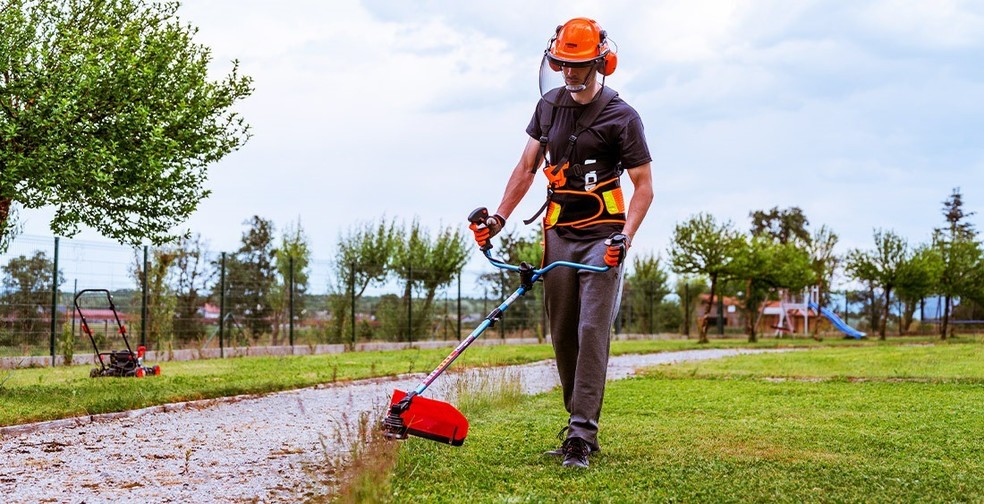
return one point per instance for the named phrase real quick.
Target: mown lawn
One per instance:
(38, 394)
(864, 424)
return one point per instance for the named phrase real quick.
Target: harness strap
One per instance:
(543, 207)
(588, 117)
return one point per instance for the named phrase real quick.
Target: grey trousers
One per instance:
(581, 307)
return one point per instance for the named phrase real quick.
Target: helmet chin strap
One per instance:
(580, 88)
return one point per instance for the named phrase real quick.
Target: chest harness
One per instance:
(579, 193)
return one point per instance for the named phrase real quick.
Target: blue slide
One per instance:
(838, 323)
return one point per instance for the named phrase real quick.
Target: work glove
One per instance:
(488, 228)
(618, 244)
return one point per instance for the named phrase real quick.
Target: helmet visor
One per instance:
(569, 84)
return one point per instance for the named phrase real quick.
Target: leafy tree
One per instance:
(107, 114)
(917, 280)
(26, 297)
(688, 290)
(251, 276)
(161, 302)
(961, 256)
(645, 287)
(701, 246)
(192, 274)
(823, 260)
(784, 226)
(292, 259)
(425, 264)
(882, 267)
(363, 257)
(764, 265)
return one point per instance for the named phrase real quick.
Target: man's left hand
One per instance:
(618, 245)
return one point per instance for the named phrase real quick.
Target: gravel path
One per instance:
(244, 449)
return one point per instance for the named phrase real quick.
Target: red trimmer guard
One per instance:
(434, 420)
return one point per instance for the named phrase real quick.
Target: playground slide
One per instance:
(838, 323)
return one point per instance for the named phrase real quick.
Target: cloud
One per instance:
(863, 114)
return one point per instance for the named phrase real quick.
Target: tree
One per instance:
(960, 253)
(784, 226)
(764, 265)
(823, 262)
(161, 302)
(107, 114)
(26, 298)
(250, 277)
(701, 246)
(362, 258)
(192, 274)
(881, 267)
(917, 280)
(645, 287)
(688, 290)
(292, 259)
(425, 264)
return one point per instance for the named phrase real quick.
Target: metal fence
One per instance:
(50, 286)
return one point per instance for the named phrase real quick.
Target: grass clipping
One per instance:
(364, 473)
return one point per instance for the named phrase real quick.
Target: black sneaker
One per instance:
(556, 452)
(575, 452)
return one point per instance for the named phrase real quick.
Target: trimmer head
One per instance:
(422, 417)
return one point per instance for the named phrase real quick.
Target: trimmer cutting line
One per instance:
(411, 414)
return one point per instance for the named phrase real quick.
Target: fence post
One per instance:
(222, 306)
(846, 317)
(720, 321)
(75, 290)
(352, 294)
(652, 309)
(290, 310)
(410, 304)
(458, 325)
(54, 303)
(143, 302)
(502, 300)
(686, 309)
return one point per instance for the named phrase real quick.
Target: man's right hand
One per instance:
(488, 228)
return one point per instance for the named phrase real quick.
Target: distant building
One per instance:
(732, 312)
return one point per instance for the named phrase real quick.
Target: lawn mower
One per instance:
(411, 414)
(115, 362)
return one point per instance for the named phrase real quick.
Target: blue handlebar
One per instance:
(537, 273)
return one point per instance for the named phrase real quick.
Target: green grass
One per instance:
(728, 434)
(38, 394)
(940, 362)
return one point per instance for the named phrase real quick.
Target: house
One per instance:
(209, 312)
(732, 311)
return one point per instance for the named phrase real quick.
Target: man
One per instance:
(584, 136)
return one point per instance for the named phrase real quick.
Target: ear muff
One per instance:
(608, 64)
(609, 60)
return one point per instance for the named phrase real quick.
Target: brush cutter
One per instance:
(411, 414)
(115, 362)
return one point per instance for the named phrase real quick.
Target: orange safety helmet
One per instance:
(581, 42)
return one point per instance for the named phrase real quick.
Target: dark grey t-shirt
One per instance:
(616, 137)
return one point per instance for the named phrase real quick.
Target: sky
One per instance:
(866, 115)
